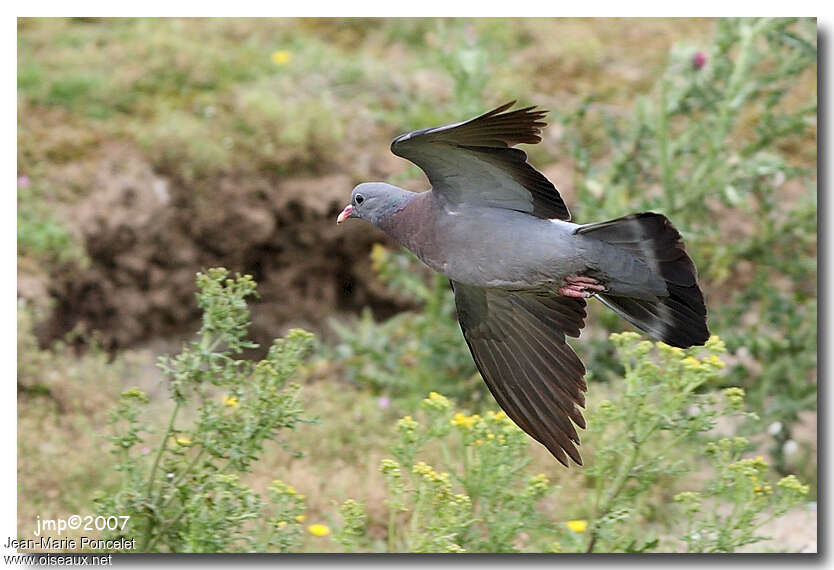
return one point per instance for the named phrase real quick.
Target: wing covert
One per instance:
(473, 162)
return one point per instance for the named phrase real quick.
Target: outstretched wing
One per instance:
(473, 162)
(518, 343)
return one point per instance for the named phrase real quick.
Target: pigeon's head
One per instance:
(372, 201)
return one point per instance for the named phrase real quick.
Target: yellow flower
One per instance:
(282, 524)
(715, 344)
(465, 421)
(763, 490)
(578, 526)
(318, 529)
(691, 362)
(183, 441)
(230, 401)
(668, 349)
(407, 423)
(281, 57)
(436, 401)
(301, 518)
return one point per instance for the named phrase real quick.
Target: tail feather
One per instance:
(679, 319)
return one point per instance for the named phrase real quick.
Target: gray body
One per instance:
(498, 248)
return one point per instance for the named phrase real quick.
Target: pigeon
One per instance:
(521, 271)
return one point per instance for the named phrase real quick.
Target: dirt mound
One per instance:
(147, 235)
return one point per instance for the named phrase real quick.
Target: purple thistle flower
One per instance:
(384, 402)
(699, 60)
(23, 181)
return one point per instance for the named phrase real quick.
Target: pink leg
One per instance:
(580, 286)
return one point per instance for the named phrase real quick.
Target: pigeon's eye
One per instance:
(359, 199)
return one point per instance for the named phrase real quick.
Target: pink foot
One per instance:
(581, 287)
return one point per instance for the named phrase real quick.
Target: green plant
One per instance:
(742, 483)
(641, 449)
(414, 352)
(185, 495)
(354, 525)
(714, 148)
(485, 499)
(649, 437)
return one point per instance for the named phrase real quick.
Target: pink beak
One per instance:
(346, 213)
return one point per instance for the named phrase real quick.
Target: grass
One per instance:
(203, 97)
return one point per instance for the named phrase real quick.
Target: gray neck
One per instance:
(410, 223)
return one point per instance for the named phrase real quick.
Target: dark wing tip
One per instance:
(517, 342)
(497, 128)
(499, 109)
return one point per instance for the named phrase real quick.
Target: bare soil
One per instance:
(146, 235)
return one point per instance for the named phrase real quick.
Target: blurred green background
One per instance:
(149, 149)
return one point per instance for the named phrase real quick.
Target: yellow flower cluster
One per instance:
(436, 402)
(577, 525)
(407, 423)
(135, 394)
(318, 530)
(643, 348)
(791, 483)
(428, 473)
(281, 488)
(465, 421)
(715, 344)
(690, 500)
(407, 428)
(538, 485)
(390, 469)
(726, 445)
(441, 488)
(494, 427)
(230, 401)
(751, 467)
(670, 350)
(711, 363)
(691, 362)
(499, 416)
(623, 336)
(735, 396)
(281, 57)
(389, 466)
